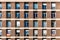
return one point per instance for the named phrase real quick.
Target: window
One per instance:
(26, 5)
(35, 14)
(53, 31)
(44, 39)
(17, 14)
(8, 39)
(17, 31)
(17, 5)
(53, 5)
(44, 14)
(25, 14)
(26, 32)
(0, 39)
(35, 39)
(17, 38)
(8, 32)
(35, 32)
(44, 23)
(17, 23)
(35, 23)
(0, 32)
(0, 5)
(26, 23)
(53, 38)
(44, 5)
(53, 14)
(8, 15)
(26, 39)
(0, 14)
(8, 23)
(0, 23)
(8, 5)
(35, 5)
(44, 32)
(53, 23)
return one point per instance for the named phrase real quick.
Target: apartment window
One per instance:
(26, 5)
(17, 22)
(53, 31)
(17, 31)
(44, 39)
(44, 14)
(8, 23)
(44, 23)
(8, 39)
(8, 32)
(8, 5)
(17, 14)
(26, 32)
(0, 5)
(35, 32)
(35, 39)
(17, 38)
(35, 23)
(0, 23)
(53, 14)
(26, 23)
(26, 39)
(35, 14)
(53, 23)
(25, 14)
(17, 5)
(0, 14)
(53, 38)
(53, 5)
(44, 32)
(44, 5)
(35, 5)
(8, 15)
(0, 32)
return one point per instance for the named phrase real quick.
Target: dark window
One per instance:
(43, 14)
(44, 5)
(34, 14)
(53, 14)
(25, 14)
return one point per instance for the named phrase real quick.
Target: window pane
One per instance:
(8, 5)
(25, 14)
(53, 5)
(44, 5)
(44, 14)
(35, 33)
(35, 23)
(8, 14)
(0, 32)
(53, 31)
(26, 5)
(0, 14)
(53, 14)
(34, 14)
(0, 5)
(26, 32)
(35, 5)
(0, 23)
(44, 39)
(17, 23)
(17, 5)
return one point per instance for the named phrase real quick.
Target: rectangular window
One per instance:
(26, 5)
(53, 5)
(0, 5)
(26, 32)
(53, 14)
(17, 14)
(26, 23)
(35, 23)
(0, 23)
(35, 39)
(44, 39)
(17, 38)
(44, 14)
(53, 23)
(35, 14)
(26, 39)
(0, 32)
(44, 32)
(25, 14)
(8, 5)
(8, 39)
(35, 32)
(8, 32)
(17, 23)
(53, 32)
(8, 14)
(44, 23)
(17, 32)
(53, 38)
(35, 5)
(44, 5)
(17, 5)
(8, 23)
(0, 14)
